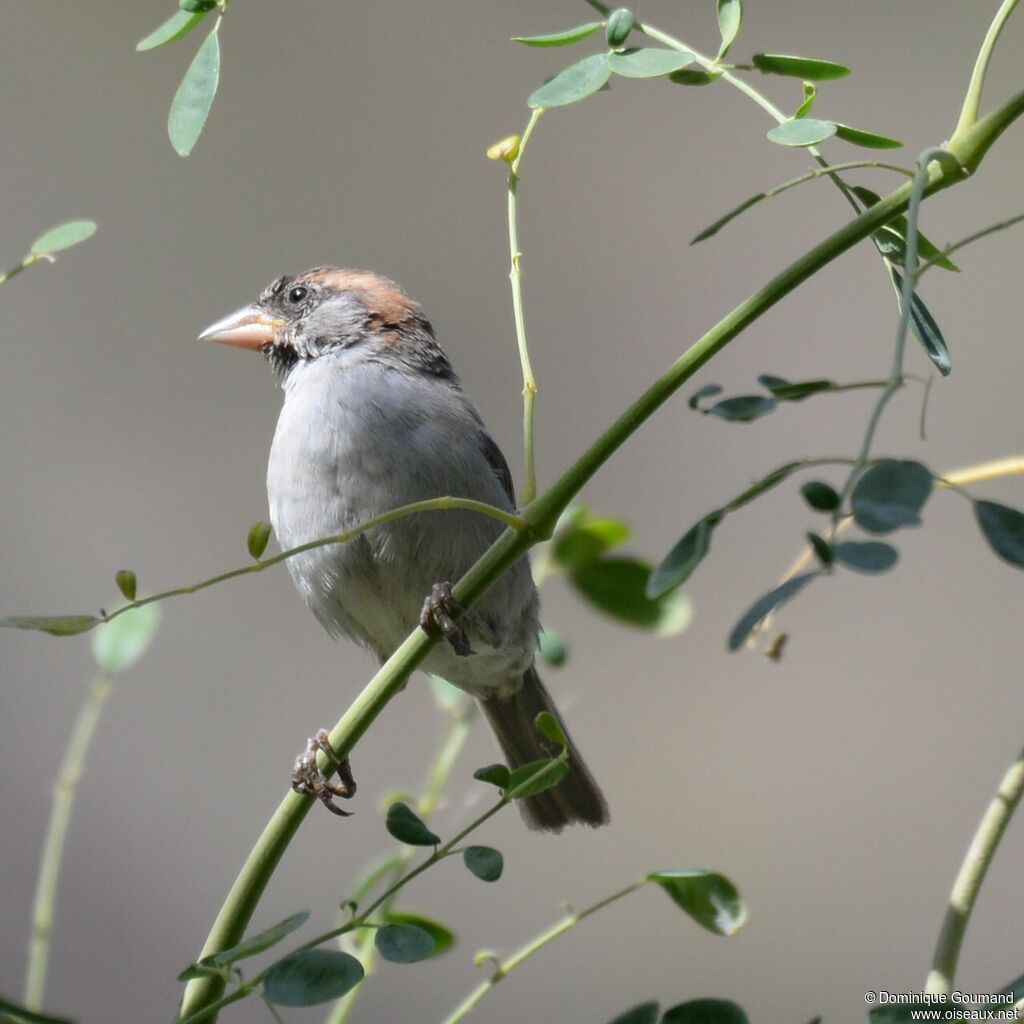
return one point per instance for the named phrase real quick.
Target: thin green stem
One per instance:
(972, 100)
(53, 846)
(503, 968)
(510, 519)
(516, 278)
(15, 271)
(968, 880)
(950, 249)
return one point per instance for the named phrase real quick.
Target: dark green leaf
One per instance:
(63, 236)
(570, 35)
(177, 25)
(705, 1011)
(890, 494)
(403, 943)
(618, 26)
(867, 556)
(713, 229)
(126, 583)
(645, 1013)
(821, 548)
(869, 140)
(256, 541)
(484, 861)
(1003, 528)
(892, 240)
(29, 1016)
(550, 777)
(576, 82)
(407, 827)
(444, 937)
(617, 586)
(765, 605)
(588, 540)
(707, 391)
(796, 391)
(799, 67)
(759, 487)
(649, 62)
(926, 330)
(742, 408)
(678, 565)
(810, 95)
(803, 131)
(118, 644)
(820, 496)
(261, 941)
(551, 648)
(709, 898)
(309, 977)
(730, 20)
(691, 76)
(550, 728)
(192, 101)
(197, 6)
(495, 774)
(55, 625)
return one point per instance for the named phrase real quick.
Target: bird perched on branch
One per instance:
(375, 418)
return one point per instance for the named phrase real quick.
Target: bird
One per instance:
(373, 418)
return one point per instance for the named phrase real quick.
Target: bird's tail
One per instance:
(577, 797)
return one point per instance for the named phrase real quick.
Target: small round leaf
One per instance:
(495, 774)
(1003, 528)
(484, 861)
(801, 131)
(126, 583)
(552, 648)
(118, 644)
(309, 977)
(649, 62)
(618, 26)
(743, 408)
(707, 897)
(403, 943)
(576, 82)
(587, 540)
(869, 556)
(890, 494)
(820, 496)
(63, 237)
(617, 586)
(443, 936)
(407, 827)
(256, 541)
(549, 727)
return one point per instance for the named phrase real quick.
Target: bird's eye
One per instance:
(297, 294)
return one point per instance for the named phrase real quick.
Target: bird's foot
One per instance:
(438, 618)
(308, 779)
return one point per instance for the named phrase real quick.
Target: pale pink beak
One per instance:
(249, 327)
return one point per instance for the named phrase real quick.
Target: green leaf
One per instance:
(261, 941)
(55, 625)
(705, 1011)
(796, 391)
(869, 140)
(678, 565)
(407, 827)
(691, 76)
(618, 26)
(197, 6)
(256, 541)
(576, 82)
(29, 1016)
(709, 898)
(812, 69)
(551, 648)
(550, 778)
(803, 131)
(892, 239)
(820, 496)
(177, 25)
(62, 237)
(707, 391)
(588, 540)
(866, 556)
(550, 728)
(570, 35)
(484, 861)
(649, 62)
(494, 774)
(309, 977)
(118, 644)
(765, 605)
(810, 95)
(925, 329)
(730, 20)
(712, 229)
(403, 943)
(822, 549)
(1003, 528)
(126, 583)
(645, 1013)
(742, 408)
(443, 936)
(618, 587)
(890, 495)
(191, 104)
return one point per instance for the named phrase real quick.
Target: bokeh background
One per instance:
(838, 788)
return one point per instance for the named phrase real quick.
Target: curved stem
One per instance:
(972, 100)
(971, 875)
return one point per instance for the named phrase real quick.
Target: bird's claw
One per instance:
(308, 779)
(438, 618)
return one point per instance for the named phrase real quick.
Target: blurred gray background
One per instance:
(838, 789)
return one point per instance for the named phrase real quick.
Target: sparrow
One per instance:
(374, 418)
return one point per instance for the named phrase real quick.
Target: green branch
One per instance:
(972, 100)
